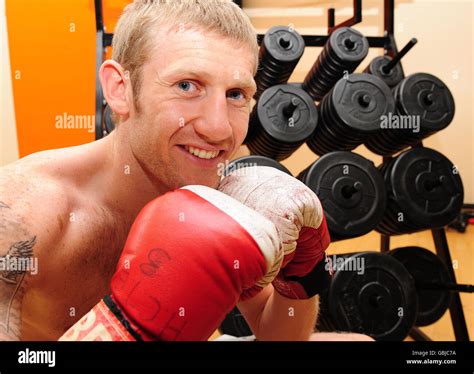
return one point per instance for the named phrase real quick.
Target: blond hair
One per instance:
(132, 41)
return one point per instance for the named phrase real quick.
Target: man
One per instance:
(179, 84)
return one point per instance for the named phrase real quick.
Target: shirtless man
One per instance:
(181, 76)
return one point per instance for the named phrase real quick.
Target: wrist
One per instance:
(304, 287)
(101, 324)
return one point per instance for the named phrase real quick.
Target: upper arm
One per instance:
(26, 231)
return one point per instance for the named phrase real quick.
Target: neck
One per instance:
(126, 187)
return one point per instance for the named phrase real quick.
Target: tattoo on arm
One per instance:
(16, 252)
(11, 265)
(12, 273)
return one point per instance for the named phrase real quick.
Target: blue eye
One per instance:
(236, 95)
(185, 85)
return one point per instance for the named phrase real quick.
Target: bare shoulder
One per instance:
(31, 199)
(30, 203)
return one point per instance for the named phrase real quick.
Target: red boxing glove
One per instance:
(297, 213)
(189, 257)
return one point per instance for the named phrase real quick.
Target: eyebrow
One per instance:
(244, 82)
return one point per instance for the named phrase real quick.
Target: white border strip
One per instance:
(8, 135)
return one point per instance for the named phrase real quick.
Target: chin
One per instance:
(209, 182)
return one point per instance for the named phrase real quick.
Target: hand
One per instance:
(189, 257)
(297, 213)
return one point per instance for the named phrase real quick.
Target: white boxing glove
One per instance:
(297, 213)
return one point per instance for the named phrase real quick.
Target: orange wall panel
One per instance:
(52, 52)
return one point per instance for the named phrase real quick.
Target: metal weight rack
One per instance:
(388, 44)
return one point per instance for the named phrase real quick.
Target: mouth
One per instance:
(201, 157)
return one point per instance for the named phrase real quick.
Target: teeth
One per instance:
(201, 153)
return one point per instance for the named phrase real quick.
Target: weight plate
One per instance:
(392, 78)
(372, 293)
(283, 44)
(108, 123)
(427, 187)
(426, 267)
(348, 44)
(329, 135)
(361, 100)
(427, 97)
(274, 72)
(351, 191)
(262, 146)
(271, 109)
(275, 69)
(254, 160)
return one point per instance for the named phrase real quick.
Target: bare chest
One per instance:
(75, 276)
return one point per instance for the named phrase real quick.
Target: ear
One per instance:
(115, 84)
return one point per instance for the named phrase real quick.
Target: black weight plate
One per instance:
(389, 141)
(397, 221)
(263, 80)
(333, 137)
(234, 324)
(331, 68)
(333, 124)
(380, 146)
(339, 133)
(427, 187)
(272, 44)
(351, 191)
(272, 72)
(323, 141)
(318, 80)
(324, 79)
(248, 161)
(328, 130)
(373, 293)
(265, 141)
(262, 147)
(270, 108)
(435, 111)
(265, 77)
(265, 146)
(108, 123)
(392, 78)
(333, 63)
(339, 45)
(276, 69)
(254, 128)
(317, 90)
(426, 267)
(318, 148)
(327, 134)
(347, 95)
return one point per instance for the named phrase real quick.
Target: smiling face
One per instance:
(193, 107)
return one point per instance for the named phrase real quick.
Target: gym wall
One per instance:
(51, 49)
(8, 138)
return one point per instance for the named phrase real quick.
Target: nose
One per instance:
(213, 124)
